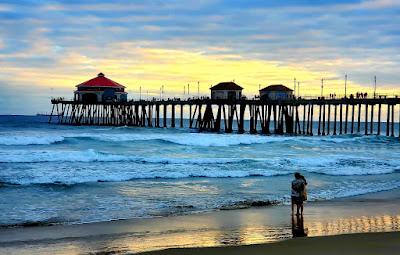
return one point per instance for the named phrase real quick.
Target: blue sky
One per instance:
(47, 47)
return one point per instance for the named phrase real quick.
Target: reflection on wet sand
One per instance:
(298, 229)
(381, 223)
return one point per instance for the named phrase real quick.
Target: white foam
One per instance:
(352, 188)
(188, 139)
(193, 139)
(346, 164)
(90, 155)
(216, 140)
(323, 164)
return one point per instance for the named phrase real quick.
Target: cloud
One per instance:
(379, 4)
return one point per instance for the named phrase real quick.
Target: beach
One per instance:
(199, 127)
(271, 226)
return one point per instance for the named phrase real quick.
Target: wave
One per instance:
(35, 223)
(90, 177)
(179, 138)
(225, 140)
(346, 165)
(245, 204)
(318, 164)
(353, 188)
(90, 155)
(30, 139)
(77, 177)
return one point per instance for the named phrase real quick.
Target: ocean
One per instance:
(54, 174)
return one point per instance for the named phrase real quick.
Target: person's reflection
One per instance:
(298, 226)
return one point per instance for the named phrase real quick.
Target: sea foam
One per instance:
(180, 138)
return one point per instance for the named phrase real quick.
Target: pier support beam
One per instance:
(388, 120)
(319, 119)
(352, 118)
(359, 119)
(323, 120)
(329, 120)
(346, 118)
(366, 119)
(392, 134)
(335, 120)
(304, 119)
(172, 115)
(371, 129)
(379, 119)
(341, 119)
(181, 122)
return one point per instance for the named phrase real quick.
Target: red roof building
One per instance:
(100, 89)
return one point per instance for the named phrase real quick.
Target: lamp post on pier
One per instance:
(322, 87)
(294, 87)
(298, 89)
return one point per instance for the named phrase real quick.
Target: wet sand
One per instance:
(362, 244)
(377, 212)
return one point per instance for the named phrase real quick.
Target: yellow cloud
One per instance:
(152, 67)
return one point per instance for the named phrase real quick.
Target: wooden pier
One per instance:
(294, 116)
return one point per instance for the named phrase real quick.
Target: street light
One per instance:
(322, 87)
(345, 86)
(298, 89)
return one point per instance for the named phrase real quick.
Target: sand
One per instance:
(362, 244)
(234, 229)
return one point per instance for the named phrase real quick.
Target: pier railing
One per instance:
(293, 116)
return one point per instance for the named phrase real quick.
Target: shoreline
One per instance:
(375, 212)
(240, 205)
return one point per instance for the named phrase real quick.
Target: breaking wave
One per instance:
(90, 155)
(185, 139)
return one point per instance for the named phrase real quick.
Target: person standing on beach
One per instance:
(298, 193)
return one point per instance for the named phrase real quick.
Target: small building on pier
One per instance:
(276, 92)
(226, 90)
(100, 89)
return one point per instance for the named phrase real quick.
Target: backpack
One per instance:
(303, 193)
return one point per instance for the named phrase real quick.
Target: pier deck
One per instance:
(293, 116)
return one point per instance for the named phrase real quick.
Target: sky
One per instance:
(48, 47)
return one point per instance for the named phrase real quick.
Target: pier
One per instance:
(291, 116)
